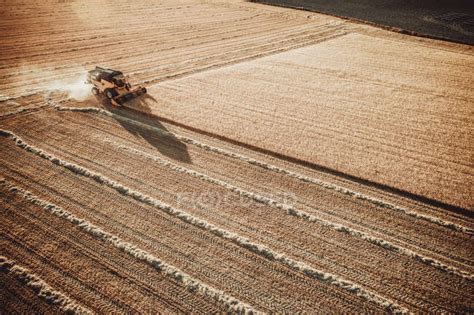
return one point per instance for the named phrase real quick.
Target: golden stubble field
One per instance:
(386, 110)
(283, 161)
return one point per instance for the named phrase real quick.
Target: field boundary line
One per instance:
(245, 243)
(290, 210)
(42, 289)
(276, 169)
(181, 277)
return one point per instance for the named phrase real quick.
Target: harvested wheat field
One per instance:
(282, 161)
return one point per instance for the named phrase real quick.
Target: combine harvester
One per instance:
(113, 84)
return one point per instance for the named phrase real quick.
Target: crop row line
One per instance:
(290, 210)
(41, 288)
(274, 168)
(188, 218)
(194, 285)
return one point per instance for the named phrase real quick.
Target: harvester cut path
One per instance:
(113, 84)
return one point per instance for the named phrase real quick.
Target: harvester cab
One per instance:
(113, 84)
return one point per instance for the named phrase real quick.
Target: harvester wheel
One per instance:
(95, 91)
(110, 93)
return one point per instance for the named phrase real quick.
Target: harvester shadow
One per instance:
(139, 110)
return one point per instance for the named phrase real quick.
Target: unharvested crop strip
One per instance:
(41, 288)
(298, 213)
(188, 218)
(274, 168)
(194, 285)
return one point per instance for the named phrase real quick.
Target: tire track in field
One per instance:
(274, 168)
(189, 282)
(85, 257)
(290, 210)
(41, 288)
(382, 230)
(186, 217)
(67, 132)
(235, 270)
(88, 292)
